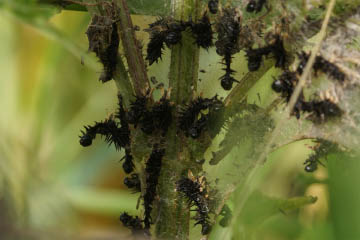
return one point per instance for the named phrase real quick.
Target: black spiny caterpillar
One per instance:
(152, 170)
(213, 6)
(323, 65)
(107, 128)
(128, 164)
(285, 84)
(323, 110)
(137, 109)
(135, 225)
(195, 190)
(321, 150)
(133, 182)
(227, 79)
(192, 122)
(228, 28)
(255, 5)
(114, 133)
(161, 114)
(162, 31)
(320, 110)
(276, 47)
(255, 56)
(158, 116)
(104, 41)
(202, 32)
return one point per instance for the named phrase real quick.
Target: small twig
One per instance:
(311, 61)
(293, 140)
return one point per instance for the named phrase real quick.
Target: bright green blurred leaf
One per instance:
(104, 202)
(260, 207)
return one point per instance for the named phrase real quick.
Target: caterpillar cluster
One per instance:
(231, 39)
(152, 170)
(168, 31)
(195, 190)
(228, 29)
(192, 121)
(150, 116)
(255, 56)
(321, 109)
(255, 5)
(159, 117)
(104, 42)
(202, 113)
(321, 150)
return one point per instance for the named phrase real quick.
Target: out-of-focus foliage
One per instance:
(50, 186)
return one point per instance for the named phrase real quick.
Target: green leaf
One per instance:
(153, 8)
(344, 193)
(140, 7)
(38, 17)
(109, 202)
(259, 207)
(29, 9)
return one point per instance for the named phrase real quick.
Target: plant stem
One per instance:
(132, 50)
(173, 210)
(185, 56)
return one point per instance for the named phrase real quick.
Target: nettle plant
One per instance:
(243, 79)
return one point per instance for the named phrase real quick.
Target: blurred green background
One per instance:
(52, 188)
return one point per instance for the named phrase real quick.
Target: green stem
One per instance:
(173, 209)
(122, 82)
(132, 50)
(185, 56)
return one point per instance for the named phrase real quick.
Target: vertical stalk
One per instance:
(132, 50)
(173, 210)
(185, 56)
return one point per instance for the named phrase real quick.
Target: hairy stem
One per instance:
(173, 211)
(132, 50)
